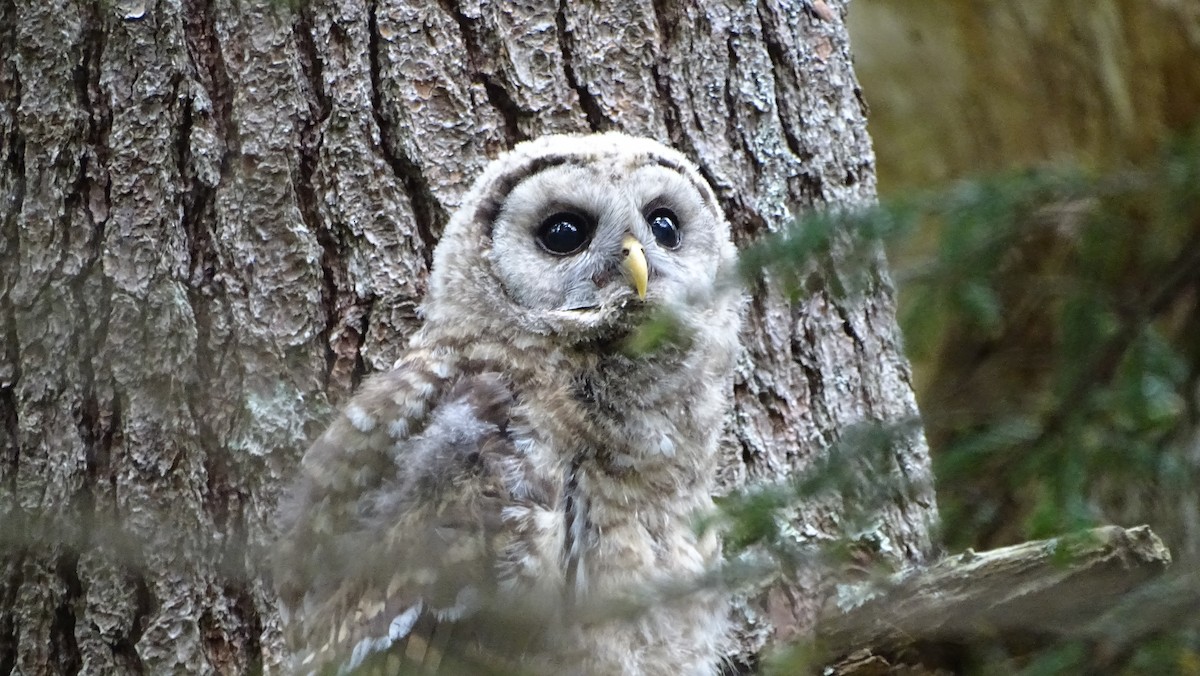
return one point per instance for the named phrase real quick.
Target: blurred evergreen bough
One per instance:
(1055, 323)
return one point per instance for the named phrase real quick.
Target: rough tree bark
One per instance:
(217, 216)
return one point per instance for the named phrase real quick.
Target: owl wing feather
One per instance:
(398, 532)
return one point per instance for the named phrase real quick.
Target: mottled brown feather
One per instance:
(358, 548)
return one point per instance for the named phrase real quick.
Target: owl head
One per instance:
(584, 236)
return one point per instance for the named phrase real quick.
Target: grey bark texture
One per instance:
(216, 216)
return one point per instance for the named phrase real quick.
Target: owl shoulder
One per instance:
(401, 505)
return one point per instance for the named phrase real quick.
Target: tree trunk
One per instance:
(218, 216)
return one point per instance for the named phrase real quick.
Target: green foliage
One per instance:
(660, 330)
(854, 469)
(1055, 329)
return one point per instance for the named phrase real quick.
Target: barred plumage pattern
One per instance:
(521, 488)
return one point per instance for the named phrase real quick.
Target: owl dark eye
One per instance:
(665, 226)
(564, 233)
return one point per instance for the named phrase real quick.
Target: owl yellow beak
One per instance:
(635, 264)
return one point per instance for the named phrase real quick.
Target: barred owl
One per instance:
(522, 487)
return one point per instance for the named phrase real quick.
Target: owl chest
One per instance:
(616, 545)
(631, 488)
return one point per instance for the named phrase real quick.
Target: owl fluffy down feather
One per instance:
(520, 492)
